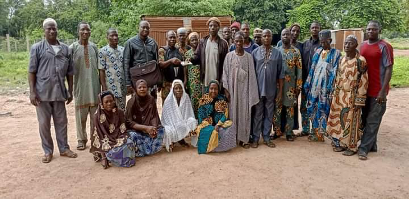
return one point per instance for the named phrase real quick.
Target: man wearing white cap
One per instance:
(50, 64)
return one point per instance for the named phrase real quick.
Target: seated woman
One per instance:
(109, 139)
(142, 119)
(178, 117)
(214, 132)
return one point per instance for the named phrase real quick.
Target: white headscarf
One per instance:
(177, 120)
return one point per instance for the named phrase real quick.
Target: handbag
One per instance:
(148, 71)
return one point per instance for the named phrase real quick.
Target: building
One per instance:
(160, 25)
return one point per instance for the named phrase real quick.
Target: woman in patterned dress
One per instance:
(194, 88)
(214, 132)
(109, 140)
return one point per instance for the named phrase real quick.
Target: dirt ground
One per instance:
(297, 169)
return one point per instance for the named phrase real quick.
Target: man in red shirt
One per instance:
(379, 56)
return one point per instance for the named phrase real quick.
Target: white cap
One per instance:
(48, 20)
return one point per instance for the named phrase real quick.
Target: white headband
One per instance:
(48, 20)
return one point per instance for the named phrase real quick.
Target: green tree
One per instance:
(307, 13)
(348, 13)
(264, 14)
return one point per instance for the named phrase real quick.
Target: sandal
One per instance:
(69, 153)
(338, 149)
(348, 152)
(254, 145)
(246, 146)
(270, 144)
(105, 162)
(97, 157)
(81, 145)
(47, 158)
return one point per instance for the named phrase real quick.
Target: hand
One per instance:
(104, 88)
(69, 99)
(278, 98)
(34, 99)
(297, 92)
(227, 95)
(216, 127)
(151, 131)
(176, 61)
(381, 97)
(129, 90)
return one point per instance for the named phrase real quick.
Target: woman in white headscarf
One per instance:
(178, 117)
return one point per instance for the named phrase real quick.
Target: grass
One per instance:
(13, 71)
(399, 43)
(400, 75)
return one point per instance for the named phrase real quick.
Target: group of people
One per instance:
(217, 92)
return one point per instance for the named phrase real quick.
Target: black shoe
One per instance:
(273, 137)
(374, 149)
(362, 155)
(290, 138)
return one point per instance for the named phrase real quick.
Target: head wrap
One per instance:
(178, 119)
(217, 20)
(103, 94)
(295, 25)
(210, 83)
(257, 31)
(181, 30)
(235, 25)
(325, 34)
(352, 37)
(49, 20)
(192, 34)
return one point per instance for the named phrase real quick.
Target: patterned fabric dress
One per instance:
(214, 112)
(111, 60)
(110, 137)
(284, 113)
(319, 86)
(194, 87)
(351, 84)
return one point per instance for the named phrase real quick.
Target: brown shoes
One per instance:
(69, 153)
(47, 158)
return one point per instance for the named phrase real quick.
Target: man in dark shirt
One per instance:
(249, 44)
(138, 50)
(210, 53)
(308, 49)
(170, 61)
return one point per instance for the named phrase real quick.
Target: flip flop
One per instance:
(68, 153)
(270, 144)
